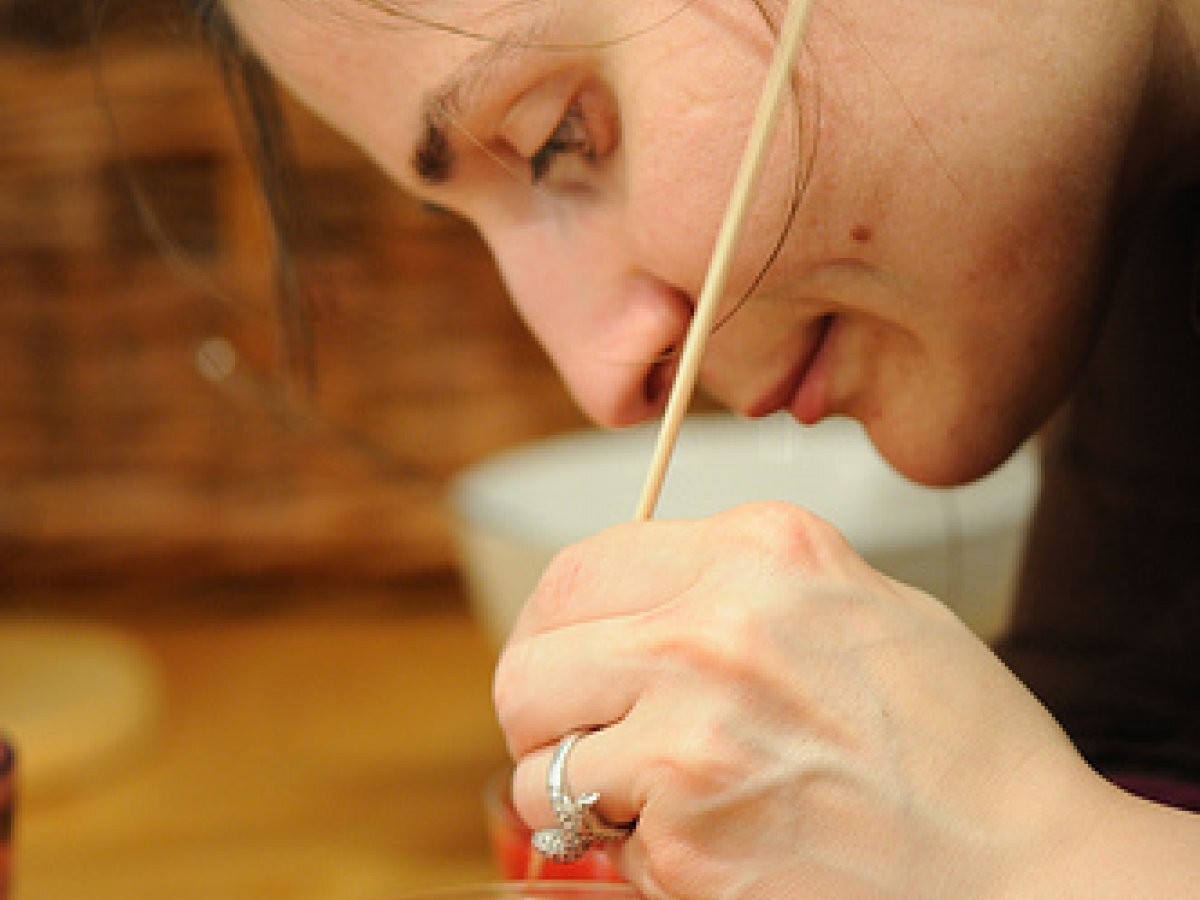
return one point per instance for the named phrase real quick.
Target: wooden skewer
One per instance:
(791, 34)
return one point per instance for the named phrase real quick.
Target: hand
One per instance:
(781, 720)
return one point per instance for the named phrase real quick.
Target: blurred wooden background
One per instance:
(146, 433)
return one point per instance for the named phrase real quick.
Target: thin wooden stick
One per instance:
(778, 77)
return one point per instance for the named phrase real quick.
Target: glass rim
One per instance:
(534, 889)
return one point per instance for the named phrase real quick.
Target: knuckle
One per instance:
(556, 585)
(707, 763)
(786, 535)
(725, 641)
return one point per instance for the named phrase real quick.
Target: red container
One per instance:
(8, 789)
(515, 858)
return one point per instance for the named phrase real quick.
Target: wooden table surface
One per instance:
(294, 755)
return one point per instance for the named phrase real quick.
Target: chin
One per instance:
(942, 457)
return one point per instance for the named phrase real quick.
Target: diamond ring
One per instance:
(579, 826)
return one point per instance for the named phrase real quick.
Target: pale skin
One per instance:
(780, 719)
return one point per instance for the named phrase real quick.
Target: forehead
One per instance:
(375, 70)
(547, 25)
(366, 66)
(342, 52)
(319, 35)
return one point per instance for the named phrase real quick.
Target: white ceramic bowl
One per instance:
(515, 510)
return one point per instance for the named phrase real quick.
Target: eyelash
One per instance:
(569, 136)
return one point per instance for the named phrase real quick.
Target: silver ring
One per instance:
(579, 826)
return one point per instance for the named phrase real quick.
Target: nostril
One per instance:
(657, 384)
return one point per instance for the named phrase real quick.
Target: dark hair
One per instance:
(260, 121)
(259, 115)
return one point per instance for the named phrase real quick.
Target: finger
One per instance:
(639, 566)
(663, 747)
(595, 764)
(582, 676)
(625, 569)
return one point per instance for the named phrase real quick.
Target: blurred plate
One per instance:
(77, 701)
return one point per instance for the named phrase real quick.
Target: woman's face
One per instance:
(960, 160)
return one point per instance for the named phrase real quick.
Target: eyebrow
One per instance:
(433, 156)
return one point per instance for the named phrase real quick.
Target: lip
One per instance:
(784, 393)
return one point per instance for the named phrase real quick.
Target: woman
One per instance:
(979, 215)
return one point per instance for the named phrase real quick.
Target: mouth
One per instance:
(789, 392)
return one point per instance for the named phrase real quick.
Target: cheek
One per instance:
(673, 226)
(685, 120)
(988, 332)
(676, 199)
(948, 404)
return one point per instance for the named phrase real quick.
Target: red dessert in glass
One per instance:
(515, 858)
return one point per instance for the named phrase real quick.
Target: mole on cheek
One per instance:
(861, 233)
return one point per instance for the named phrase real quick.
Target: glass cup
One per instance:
(532, 890)
(516, 860)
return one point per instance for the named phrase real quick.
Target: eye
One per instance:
(570, 137)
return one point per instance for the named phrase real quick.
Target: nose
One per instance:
(609, 326)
